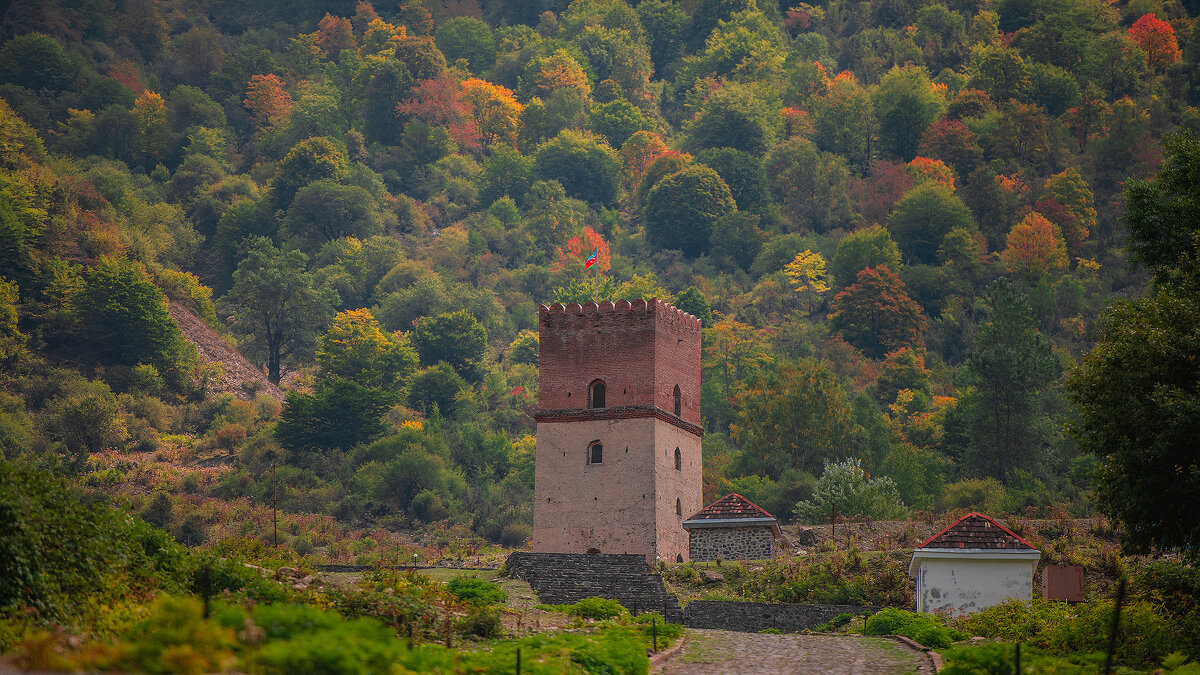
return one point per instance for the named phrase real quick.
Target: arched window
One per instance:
(678, 460)
(596, 394)
(678, 507)
(595, 453)
(678, 401)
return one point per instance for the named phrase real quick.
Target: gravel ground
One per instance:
(719, 652)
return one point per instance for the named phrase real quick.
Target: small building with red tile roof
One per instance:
(972, 564)
(732, 528)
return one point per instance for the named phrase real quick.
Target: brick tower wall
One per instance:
(627, 504)
(641, 350)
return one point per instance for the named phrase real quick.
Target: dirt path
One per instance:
(719, 652)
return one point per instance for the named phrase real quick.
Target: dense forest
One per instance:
(899, 221)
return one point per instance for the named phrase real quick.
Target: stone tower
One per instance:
(618, 429)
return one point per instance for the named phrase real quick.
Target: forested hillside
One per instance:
(899, 222)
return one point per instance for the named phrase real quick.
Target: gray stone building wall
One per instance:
(731, 543)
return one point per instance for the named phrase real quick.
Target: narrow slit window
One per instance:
(596, 394)
(678, 401)
(678, 507)
(678, 460)
(595, 453)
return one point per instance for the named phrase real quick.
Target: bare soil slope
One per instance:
(238, 376)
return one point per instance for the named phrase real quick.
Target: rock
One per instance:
(289, 572)
(712, 576)
(806, 536)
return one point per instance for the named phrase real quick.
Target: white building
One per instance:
(973, 564)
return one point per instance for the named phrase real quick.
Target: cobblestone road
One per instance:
(719, 652)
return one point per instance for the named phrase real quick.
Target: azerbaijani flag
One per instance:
(591, 259)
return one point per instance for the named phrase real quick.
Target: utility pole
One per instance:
(274, 501)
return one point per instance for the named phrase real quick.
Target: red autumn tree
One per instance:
(266, 100)
(440, 102)
(578, 250)
(876, 315)
(1157, 38)
(1035, 248)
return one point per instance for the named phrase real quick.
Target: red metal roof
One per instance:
(976, 530)
(731, 506)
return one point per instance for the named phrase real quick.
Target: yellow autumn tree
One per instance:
(496, 111)
(808, 276)
(357, 349)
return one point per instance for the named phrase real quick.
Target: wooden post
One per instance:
(1116, 623)
(274, 501)
(654, 632)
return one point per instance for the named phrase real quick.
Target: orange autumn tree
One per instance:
(638, 153)
(266, 100)
(335, 34)
(496, 111)
(579, 248)
(923, 169)
(1157, 38)
(1035, 248)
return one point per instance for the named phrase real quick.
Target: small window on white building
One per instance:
(678, 460)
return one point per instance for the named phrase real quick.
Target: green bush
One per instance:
(476, 591)
(1059, 629)
(596, 608)
(924, 628)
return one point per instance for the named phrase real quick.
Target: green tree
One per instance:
(124, 319)
(736, 240)
(311, 160)
(682, 208)
(325, 210)
(809, 185)
(617, 120)
(390, 84)
(275, 305)
(876, 315)
(794, 417)
(341, 414)
(867, 247)
(743, 172)
(905, 104)
(693, 302)
(923, 217)
(587, 169)
(1013, 365)
(846, 488)
(456, 338)
(1138, 390)
(844, 122)
(36, 61)
(464, 37)
(436, 386)
(739, 116)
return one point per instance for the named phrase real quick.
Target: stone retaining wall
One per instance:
(752, 617)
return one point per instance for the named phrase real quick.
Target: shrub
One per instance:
(483, 622)
(515, 535)
(924, 628)
(476, 591)
(596, 608)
